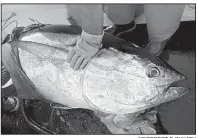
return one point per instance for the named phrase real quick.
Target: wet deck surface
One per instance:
(178, 117)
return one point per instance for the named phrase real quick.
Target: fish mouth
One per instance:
(176, 87)
(179, 91)
(172, 91)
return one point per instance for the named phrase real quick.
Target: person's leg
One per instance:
(90, 17)
(162, 23)
(122, 16)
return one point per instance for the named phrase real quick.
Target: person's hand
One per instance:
(133, 123)
(86, 48)
(79, 56)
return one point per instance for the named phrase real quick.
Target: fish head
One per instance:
(165, 80)
(168, 83)
(152, 80)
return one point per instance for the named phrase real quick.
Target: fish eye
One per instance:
(153, 72)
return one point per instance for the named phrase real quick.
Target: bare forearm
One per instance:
(89, 17)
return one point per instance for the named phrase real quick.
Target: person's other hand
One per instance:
(86, 48)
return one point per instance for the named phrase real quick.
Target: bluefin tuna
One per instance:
(122, 78)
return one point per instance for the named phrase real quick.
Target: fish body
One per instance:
(121, 79)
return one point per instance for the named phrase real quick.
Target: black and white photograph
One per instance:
(98, 69)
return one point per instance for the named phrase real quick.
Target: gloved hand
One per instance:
(86, 48)
(130, 123)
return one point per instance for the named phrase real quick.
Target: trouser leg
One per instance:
(89, 17)
(120, 14)
(162, 20)
(162, 23)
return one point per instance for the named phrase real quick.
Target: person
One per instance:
(162, 22)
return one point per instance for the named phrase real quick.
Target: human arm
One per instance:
(90, 18)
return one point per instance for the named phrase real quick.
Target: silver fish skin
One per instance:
(113, 81)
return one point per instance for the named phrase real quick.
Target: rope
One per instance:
(6, 20)
(34, 20)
